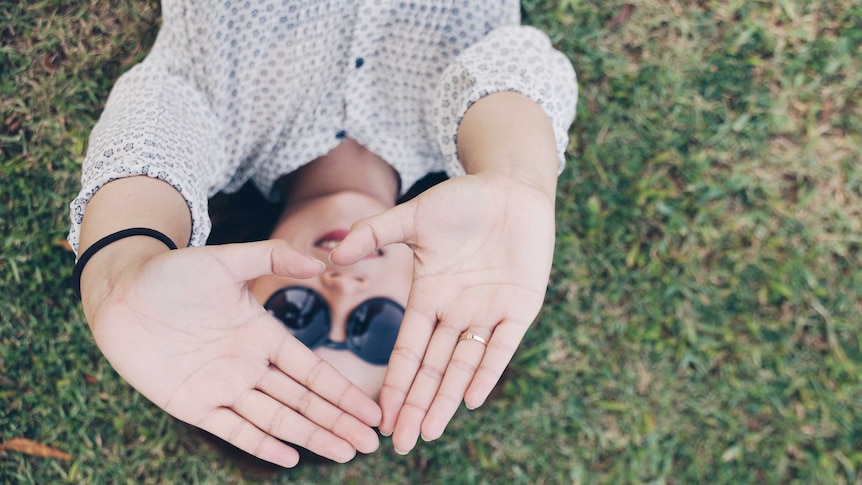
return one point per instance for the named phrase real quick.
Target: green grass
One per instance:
(703, 319)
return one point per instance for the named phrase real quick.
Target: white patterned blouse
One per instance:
(235, 90)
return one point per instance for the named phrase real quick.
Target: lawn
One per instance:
(702, 324)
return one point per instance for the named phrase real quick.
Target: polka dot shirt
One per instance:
(234, 90)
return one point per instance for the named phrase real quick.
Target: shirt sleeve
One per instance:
(157, 123)
(510, 58)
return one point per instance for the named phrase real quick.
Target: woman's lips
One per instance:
(331, 239)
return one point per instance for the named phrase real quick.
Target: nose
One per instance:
(343, 280)
(342, 287)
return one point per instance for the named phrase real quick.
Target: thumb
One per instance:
(396, 225)
(247, 261)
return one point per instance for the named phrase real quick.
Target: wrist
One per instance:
(523, 173)
(108, 268)
(138, 201)
(508, 134)
(132, 202)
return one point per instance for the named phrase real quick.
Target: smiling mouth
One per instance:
(331, 239)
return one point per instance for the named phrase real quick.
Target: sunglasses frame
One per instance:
(348, 343)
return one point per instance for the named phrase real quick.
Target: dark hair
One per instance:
(243, 216)
(246, 216)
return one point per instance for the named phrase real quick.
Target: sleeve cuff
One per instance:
(513, 58)
(196, 200)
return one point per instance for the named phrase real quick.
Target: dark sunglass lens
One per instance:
(373, 328)
(303, 312)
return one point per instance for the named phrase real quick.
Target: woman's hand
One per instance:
(183, 329)
(483, 246)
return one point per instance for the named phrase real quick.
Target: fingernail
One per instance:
(424, 438)
(402, 453)
(384, 433)
(329, 257)
(322, 265)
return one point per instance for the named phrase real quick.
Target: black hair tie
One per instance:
(110, 238)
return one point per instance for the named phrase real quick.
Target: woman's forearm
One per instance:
(509, 133)
(130, 202)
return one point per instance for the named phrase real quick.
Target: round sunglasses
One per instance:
(371, 327)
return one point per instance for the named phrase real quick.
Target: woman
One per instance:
(339, 108)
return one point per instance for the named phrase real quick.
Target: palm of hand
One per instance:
(478, 237)
(187, 333)
(483, 247)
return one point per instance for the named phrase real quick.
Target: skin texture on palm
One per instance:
(487, 273)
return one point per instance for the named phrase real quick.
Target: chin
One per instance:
(367, 377)
(321, 214)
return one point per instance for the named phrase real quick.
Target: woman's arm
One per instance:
(514, 59)
(483, 245)
(129, 202)
(483, 240)
(508, 134)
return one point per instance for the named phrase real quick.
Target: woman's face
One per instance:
(314, 227)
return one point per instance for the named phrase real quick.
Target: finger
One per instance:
(498, 354)
(283, 423)
(425, 384)
(237, 431)
(281, 387)
(368, 235)
(247, 261)
(305, 367)
(459, 373)
(416, 330)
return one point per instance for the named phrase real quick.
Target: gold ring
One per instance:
(472, 336)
